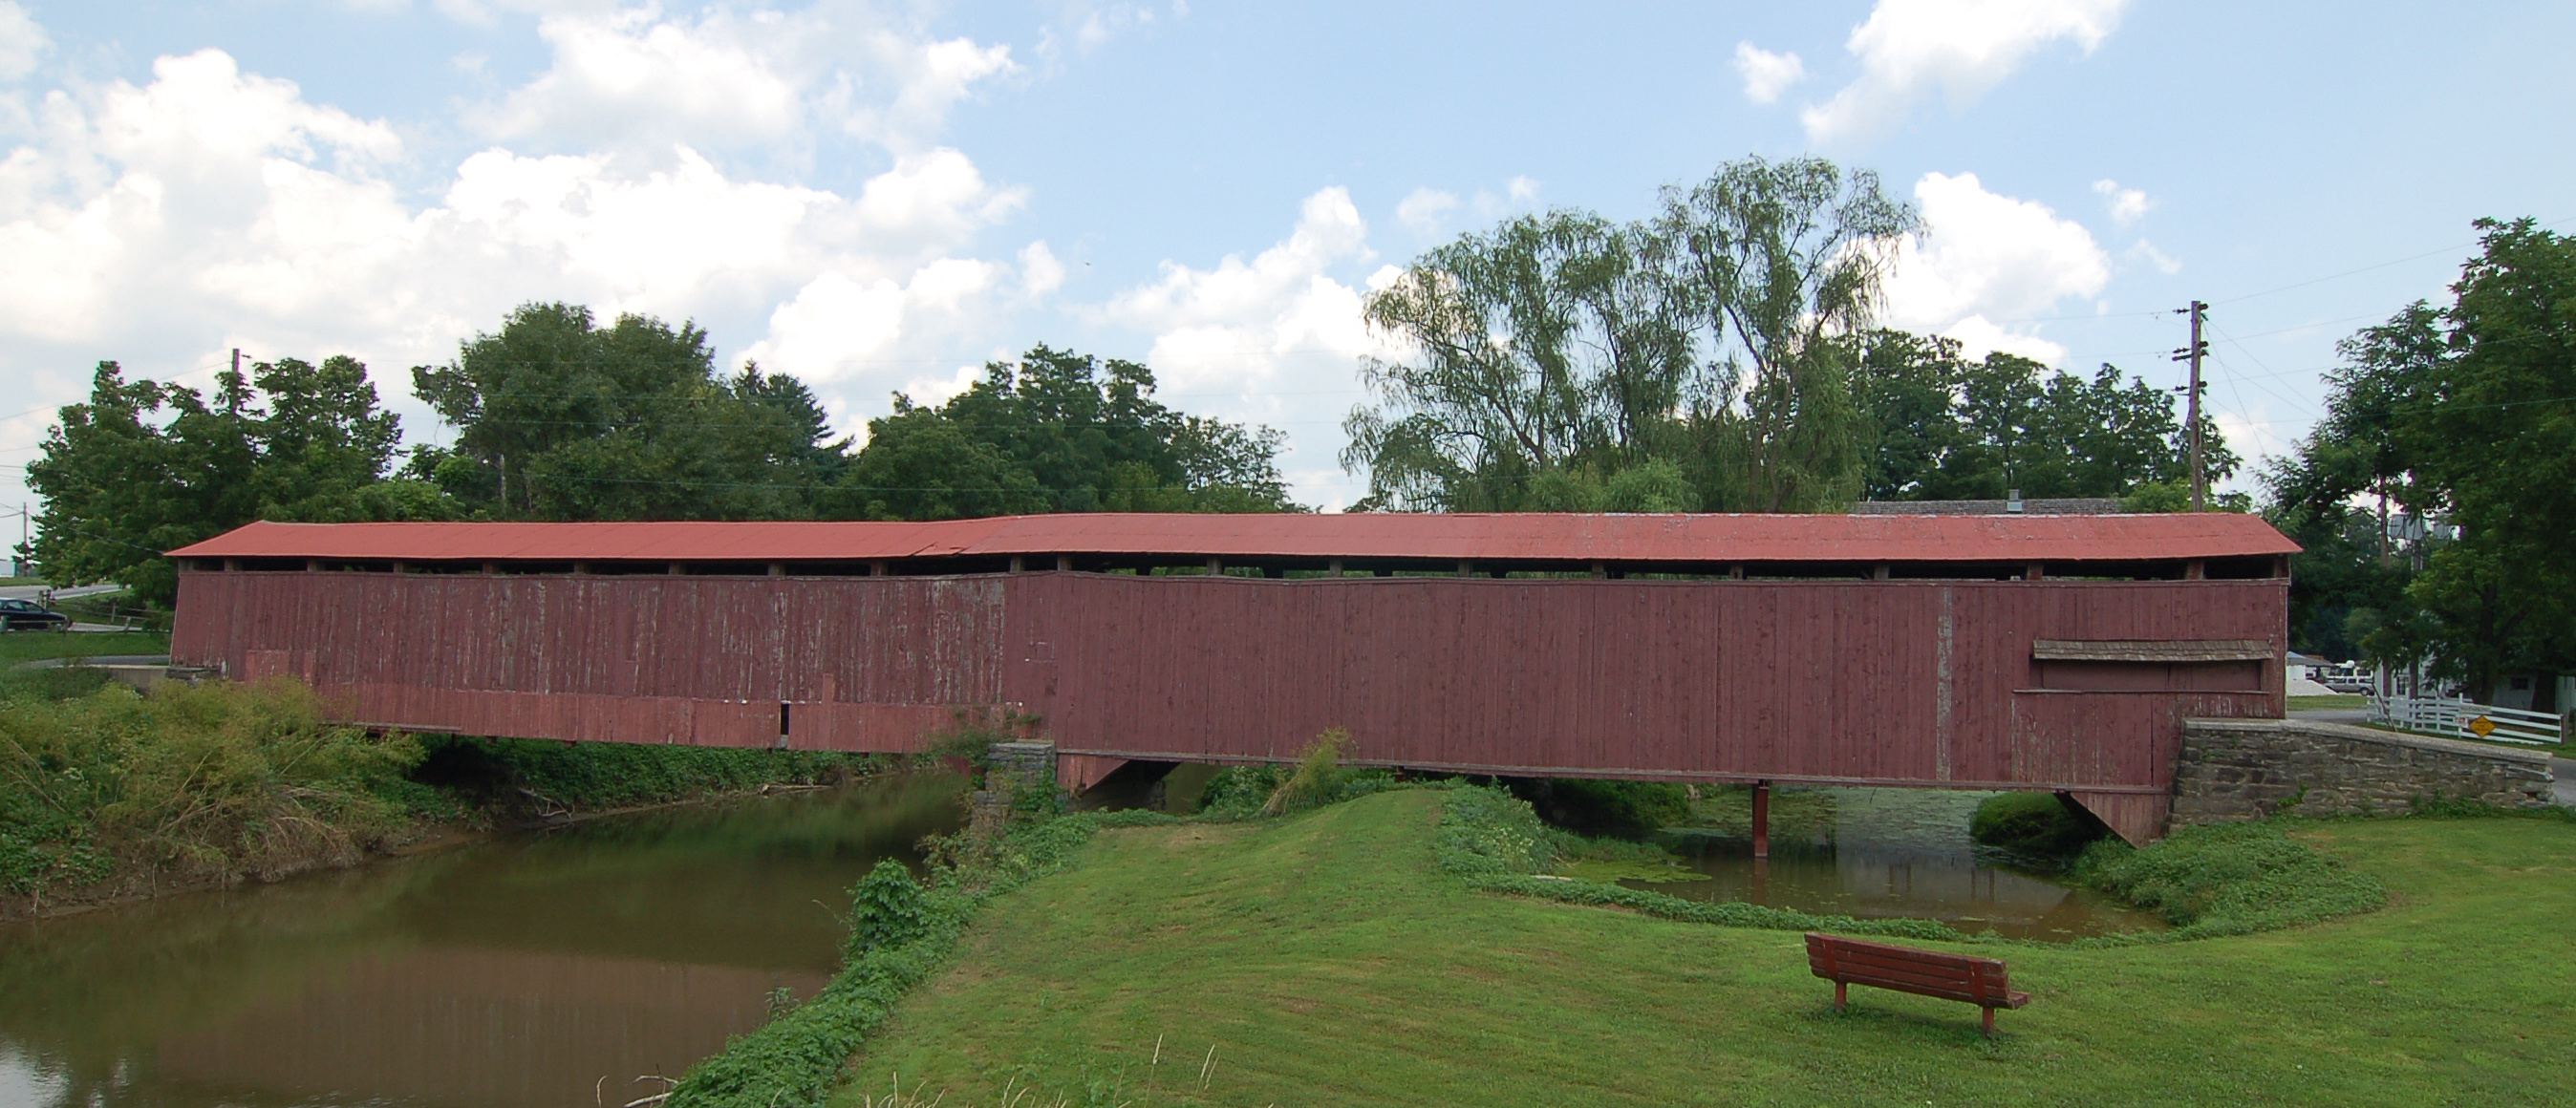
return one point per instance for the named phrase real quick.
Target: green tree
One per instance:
(143, 467)
(1555, 352)
(1784, 262)
(2463, 416)
(1064, 432)
(1909, 391)
(559, 418)
(1548, 344)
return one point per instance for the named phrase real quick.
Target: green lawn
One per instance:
(1327, 963)
(27, 646)
(2336, 700)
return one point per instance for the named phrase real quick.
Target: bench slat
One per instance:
(1980, 981)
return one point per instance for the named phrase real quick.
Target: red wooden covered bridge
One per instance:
(1981, 652)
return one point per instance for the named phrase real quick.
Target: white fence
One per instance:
(2458, 717)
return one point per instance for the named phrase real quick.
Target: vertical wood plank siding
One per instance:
(1787, 680)
(863, 663)
(1897, 682)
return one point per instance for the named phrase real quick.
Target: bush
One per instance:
(887, 909)
(216, 781)
(1617, 809)
(494, 772)
(52, 682)
(2229, 879)
(2037, 824)
(1239, 792)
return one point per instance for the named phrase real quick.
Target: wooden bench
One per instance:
(1978, 981)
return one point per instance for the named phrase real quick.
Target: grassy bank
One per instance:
(1328, 959)
(2329, 701)
(108, 794)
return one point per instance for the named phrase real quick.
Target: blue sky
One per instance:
(881, 197)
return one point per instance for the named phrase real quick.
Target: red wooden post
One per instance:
(1838, 1000)
(1990, 1023)
(1761, 819)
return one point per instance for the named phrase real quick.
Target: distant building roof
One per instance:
(1525, 537)
(2063, 506)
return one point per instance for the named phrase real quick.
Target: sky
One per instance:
(880, 198)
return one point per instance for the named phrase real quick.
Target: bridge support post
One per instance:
(1011, 769)
(1761, 819)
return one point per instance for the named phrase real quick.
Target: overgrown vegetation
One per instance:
(2228, 879)
(1616, 809)
(189, 784)
(901, 931)
(106, 792)
(1318, 778)
(500, 775)
(2036, 825)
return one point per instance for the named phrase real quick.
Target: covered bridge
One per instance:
(1982, 652)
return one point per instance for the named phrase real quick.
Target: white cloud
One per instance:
(210, 208)
(1767, 75)
(1987, 257)
(1909, 49)
(1276, 339)
(22, 42)
(2126, 206)
(2146, 251)
(655, 81)
(836, 326)
(1424, 209)
(1429, 212)
(1091, 25)
(1040, 273)
(637, 80)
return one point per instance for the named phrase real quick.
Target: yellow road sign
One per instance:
(2481, 727)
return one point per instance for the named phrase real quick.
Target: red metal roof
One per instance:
(1495, 537)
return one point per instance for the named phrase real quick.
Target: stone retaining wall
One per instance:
(1010, 768)
(2235, 769)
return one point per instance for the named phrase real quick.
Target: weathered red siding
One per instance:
(1901, 682)
(1898, 682)
(862, 663)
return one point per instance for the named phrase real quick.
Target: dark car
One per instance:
(27, 615)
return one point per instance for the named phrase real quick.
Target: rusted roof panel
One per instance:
(1463, 536)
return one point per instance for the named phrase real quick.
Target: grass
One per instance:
(1325, 959)
(2333, 701)
(18, 647)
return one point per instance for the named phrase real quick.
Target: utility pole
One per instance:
(2191, 405)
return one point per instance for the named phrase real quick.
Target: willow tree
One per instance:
(1784, 262)
(1695, 359)
(1549, 354)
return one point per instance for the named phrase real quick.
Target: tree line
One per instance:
(558, 417)
(2437, 498)
(1722, 355)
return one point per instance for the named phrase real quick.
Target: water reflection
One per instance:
(520, 971)
(1877, 853)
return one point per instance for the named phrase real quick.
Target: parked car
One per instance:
(27, 615)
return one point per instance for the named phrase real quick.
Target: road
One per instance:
(35, 592)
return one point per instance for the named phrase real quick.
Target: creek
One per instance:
(530, 969)
(1879, 853)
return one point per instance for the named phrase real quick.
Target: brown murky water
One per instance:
(1879, 853)
(536, 970)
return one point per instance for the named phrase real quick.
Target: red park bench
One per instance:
(1978, 981)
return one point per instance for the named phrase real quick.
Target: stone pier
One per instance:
(1010, 770)
(2236, 769)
